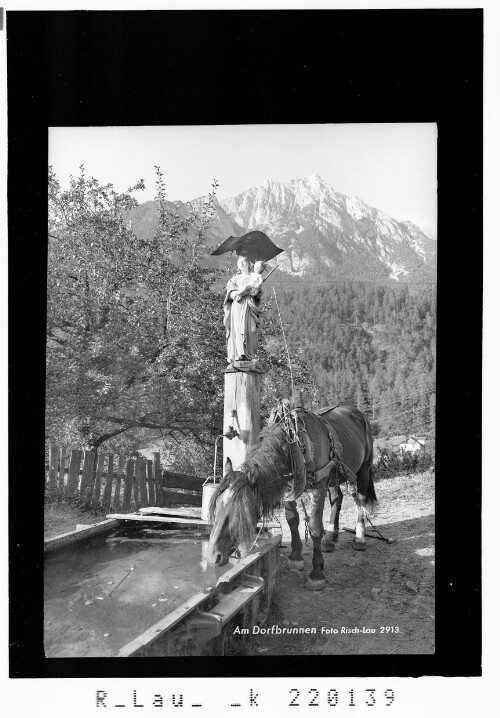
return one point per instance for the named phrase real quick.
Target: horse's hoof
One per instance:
(359, 545)
(327, 547)
(299, 565)
(315, 584)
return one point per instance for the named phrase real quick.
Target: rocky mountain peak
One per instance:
(324, 233)
(323, 230)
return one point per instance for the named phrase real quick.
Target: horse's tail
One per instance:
(370, 495)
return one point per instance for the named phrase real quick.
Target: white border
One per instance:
(434, 696)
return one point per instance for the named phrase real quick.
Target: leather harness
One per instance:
(304, 469)
(336, 456)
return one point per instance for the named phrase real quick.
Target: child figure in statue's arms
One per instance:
(254, 285)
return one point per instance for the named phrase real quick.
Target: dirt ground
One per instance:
(388, 589)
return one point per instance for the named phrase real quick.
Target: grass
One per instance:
(62, 515)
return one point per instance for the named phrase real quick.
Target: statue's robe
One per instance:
(241, 319)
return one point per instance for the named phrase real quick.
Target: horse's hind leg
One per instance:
(364, 497)
(359, 543)
(332, 529)
(317, 579)
(295, 560)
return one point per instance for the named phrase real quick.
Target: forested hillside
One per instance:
(367, 343)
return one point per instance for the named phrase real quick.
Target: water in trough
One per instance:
(100, 594)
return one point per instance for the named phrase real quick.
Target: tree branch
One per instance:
(178, 425)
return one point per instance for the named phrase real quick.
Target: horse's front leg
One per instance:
(295, 560)
(332, 528)
(317, 579)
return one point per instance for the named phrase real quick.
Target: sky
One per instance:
(392, 167)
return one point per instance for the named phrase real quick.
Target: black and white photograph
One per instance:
(244, 364)
(240, 390)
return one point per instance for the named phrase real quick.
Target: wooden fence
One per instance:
(117, 482)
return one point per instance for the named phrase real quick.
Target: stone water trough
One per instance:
(137, 585)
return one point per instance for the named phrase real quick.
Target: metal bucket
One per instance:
(207, 493)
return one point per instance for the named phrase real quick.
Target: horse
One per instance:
(263, 483)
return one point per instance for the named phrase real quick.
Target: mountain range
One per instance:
(324, 234)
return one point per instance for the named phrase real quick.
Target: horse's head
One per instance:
(234, 510)
(246, 495)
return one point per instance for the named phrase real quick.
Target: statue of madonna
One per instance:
(242, 310)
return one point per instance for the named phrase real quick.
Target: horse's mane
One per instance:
(267, 464)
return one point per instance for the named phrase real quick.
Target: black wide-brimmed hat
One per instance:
(254, 245)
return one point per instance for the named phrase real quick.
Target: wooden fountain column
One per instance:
(241, 394)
